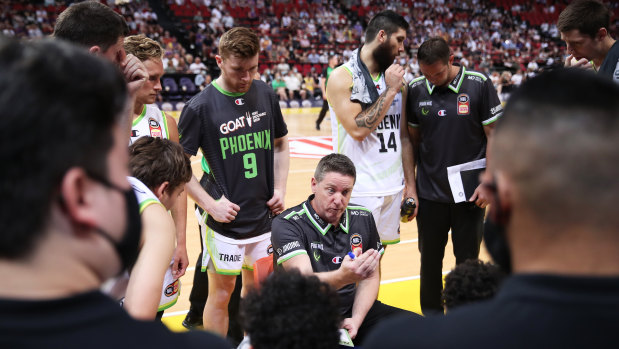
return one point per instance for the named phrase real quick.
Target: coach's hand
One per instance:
(224, 211)
(479, 197)
(135, 73)
(394, 77)
(352, 327)
(361, 267)
(276, 203)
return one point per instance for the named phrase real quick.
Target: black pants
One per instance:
(323, 111)
(377, 313)
(434, 220)
(199, 293)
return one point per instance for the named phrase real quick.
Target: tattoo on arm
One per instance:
(368, 117)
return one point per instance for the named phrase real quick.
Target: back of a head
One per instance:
(239, 42)
(558, 141)
(387, 20)
(154, 161)
(470, 282)
(91, 23)
(292, 311)
(588, 16)
(433, 50)
(58, 105)
(143, 47)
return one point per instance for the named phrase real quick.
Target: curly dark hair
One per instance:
(292, 311)
(471, 281)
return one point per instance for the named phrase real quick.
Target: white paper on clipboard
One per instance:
(455, 178)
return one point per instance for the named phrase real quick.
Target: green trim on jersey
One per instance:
(474, 73)
(144, 204)
(457, 89)
(377, 77)
(294, 213)
(358, 208)
(139, 118)
(320, 229)
(416, 79)
(165, 124)
(231, 94)
(204, 164)
(390, 242)
(492, 119)
(290, 255)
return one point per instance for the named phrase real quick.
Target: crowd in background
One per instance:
(499, 38)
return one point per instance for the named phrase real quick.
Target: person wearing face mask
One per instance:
(552, 184)
(367, 98)
(70, 219)
(451, 115)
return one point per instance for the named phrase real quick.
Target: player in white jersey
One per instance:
(152, 286)
(367, 99)
(150, 121)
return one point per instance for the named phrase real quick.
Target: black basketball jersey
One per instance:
(450, 121)
(300, 230)
(236, 132)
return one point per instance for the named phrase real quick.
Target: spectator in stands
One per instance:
(283, 67)
(471, 282)
(293, 83)
(197, 66)
(564, 290)
(279, 86)
(292, 311)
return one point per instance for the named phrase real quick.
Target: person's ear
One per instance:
(601, 34)
(96, 50)
(161, 189)
(314, 185)
(451, 59)
(77, 198)
(219, 60)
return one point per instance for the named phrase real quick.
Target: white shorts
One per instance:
(386, 212)
(228, 256)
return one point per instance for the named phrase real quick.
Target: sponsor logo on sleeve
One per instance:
(495, 110)
(289, 246)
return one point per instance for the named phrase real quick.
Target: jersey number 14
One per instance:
(391, 143)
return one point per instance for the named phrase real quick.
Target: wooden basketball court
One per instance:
(399, 266)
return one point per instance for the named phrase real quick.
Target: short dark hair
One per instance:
(470, 282)
(388, 21)
(239, 42)
(565, 124)
(154, 160)
(292, 311)
(433, 50)
(587, 16)
(334, 162)
(58, 105)
(90, 23)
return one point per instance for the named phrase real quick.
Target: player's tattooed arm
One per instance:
(369, 117)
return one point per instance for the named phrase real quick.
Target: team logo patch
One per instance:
(155, 128)
(239, 101)
(316, 255)
(425, 111)
(270, 249)
(464, 104)
(336, 260)
(442, 112)
(171, 289)
(356, 242)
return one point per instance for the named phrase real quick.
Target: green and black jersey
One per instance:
(451, 122)
(236, 132)
(299, 230)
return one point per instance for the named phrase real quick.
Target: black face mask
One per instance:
(128, 246)
(494, 234)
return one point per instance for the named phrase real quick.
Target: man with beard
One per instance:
(366, 99)
(452, 112)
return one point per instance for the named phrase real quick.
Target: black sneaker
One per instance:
(317, 126)
(192, 320)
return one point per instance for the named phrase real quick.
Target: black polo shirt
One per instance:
(299, 230)
(610, 65)
(236, 132)
(450, 120)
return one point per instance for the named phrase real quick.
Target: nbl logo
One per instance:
(356, 242)
(463, 104)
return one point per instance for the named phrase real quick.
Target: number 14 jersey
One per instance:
(377, 158)
(236, 132)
